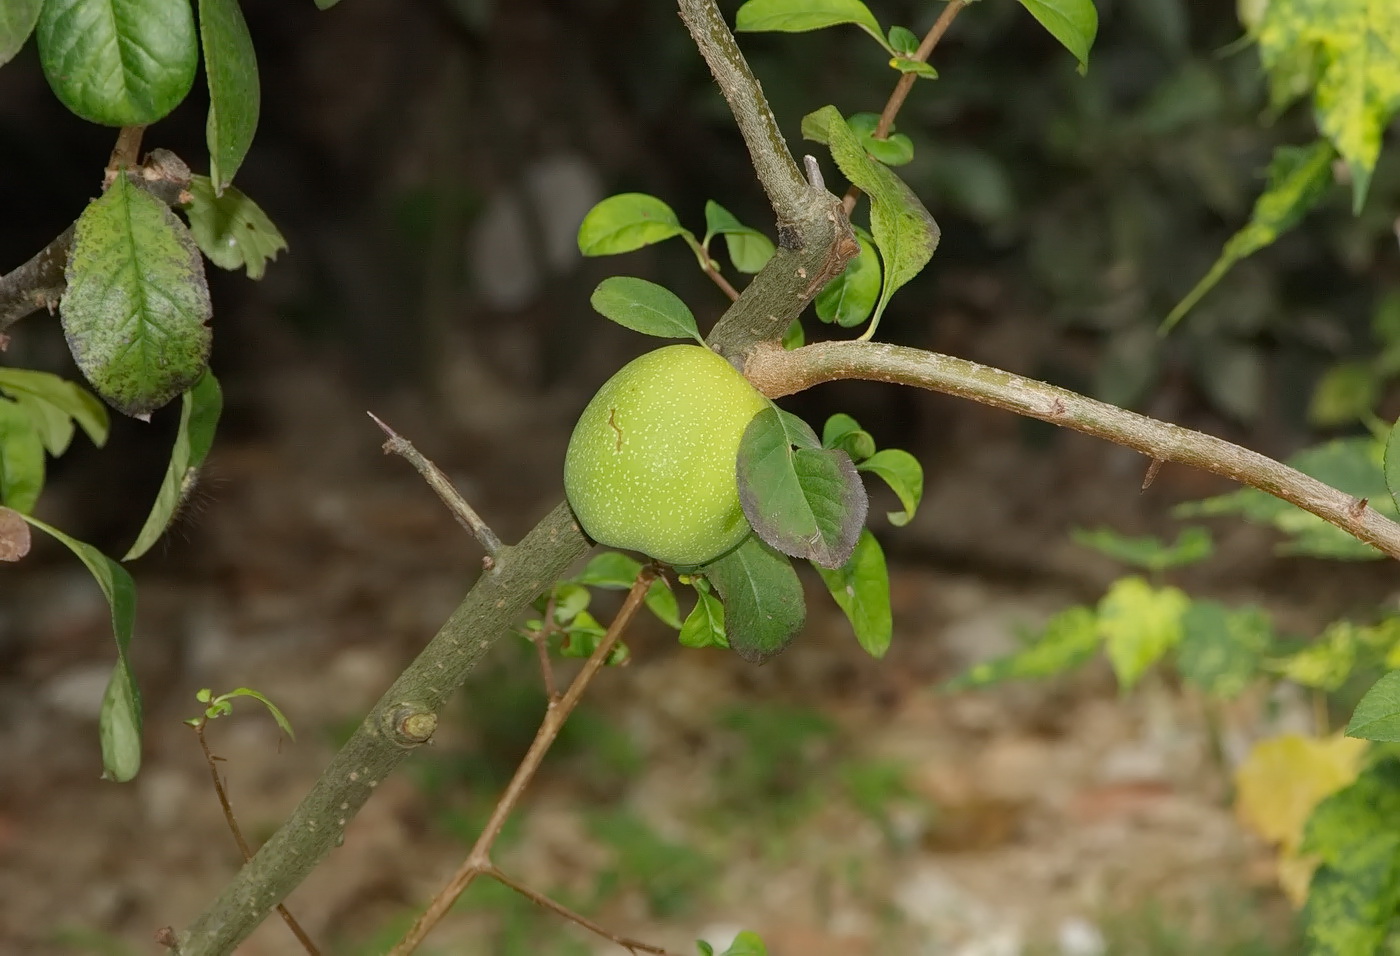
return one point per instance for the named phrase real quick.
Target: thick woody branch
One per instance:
(776, 372)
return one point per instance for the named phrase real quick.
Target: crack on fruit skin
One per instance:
(612, 420)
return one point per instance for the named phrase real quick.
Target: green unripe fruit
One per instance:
(651, 464)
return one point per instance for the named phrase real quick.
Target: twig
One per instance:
(539, 899)
(541, 642)
(906, 83)
(127, 149)
(237, 832)
(478, 861)
(718, 279)
(439, 482)
(777, 372)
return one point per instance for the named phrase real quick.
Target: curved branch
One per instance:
(777, 372)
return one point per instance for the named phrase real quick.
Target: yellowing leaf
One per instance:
(1348, 51)
(1139, 624)
(1279, 785)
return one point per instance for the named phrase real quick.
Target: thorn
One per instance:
(1151, 475)
(1358, 508)
(814, 172)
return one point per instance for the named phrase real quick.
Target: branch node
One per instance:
(412, 724)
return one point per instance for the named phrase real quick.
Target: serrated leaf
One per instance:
(231, 67)
(645, 307)
(861, 588)
(118, 62)
(55, 404)
(806, 501)
(1348, 52)
(1075, 23)
(1148, 552)
(199, 417)
(799, 16)
(848, 299)
(1392, 463)
(626, 222)
(1298, 177)
(136, 306)
(1221, 648)
(1069, 639)
(1355, 893)
(231, 229)
(17, 19)
(14, 535)
(119, 727)
(905, 476)
(704, 625)
(1377, 714)
(1139, 624)
(21, 458)
(904, 232)
(844, 432)
(763, 602)
(612, 570)
(749, 249)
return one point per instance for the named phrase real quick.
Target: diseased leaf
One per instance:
(136, 306)
(1069, 639)
(905, 476)
(231, 229)
(1139, 624)
(1075, 23)
(626, 222)
(17, 19)
(231, 67)
(645, 307)
(763, 602)
(118, 62)
(1298, 178)
(806, 501)
(861, 588)
(55, 404)
(1377, 715)
(199, 417)
(119, 727)
(21, 458)
(799, 16)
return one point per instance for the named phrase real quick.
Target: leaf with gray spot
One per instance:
(136, 306)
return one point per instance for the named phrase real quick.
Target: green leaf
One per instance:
(806, 501)
(1298, 178)
(55, 404)
(1070, 638)
(1352, 465)
(1327, 662)
(645, 307)
(794, 337)
(1345, 395)
(1392, 463)
(905, 234)
(918, 67)
(661, 601)
(119, 726)
(231, 229)
(1074, 23)
(1348, 52)
(21, 458)
(325, 4)
(272, 708)
(905, 476)
(749, 249)
(199, 416)
(844, 432)
(1377, 715)
(799, 16)
(1139, 624)
(903, 41)
(626, 222)
(17, 19)
(849, 298)
(136, 304)
(746, 944)
(704, 625)
(1192, 545)
(118, 62)
(611, 570)
(763, 601)
(1355, 892)
(1221, 648)
(861, 588)
(231, 67)
(895, 149)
